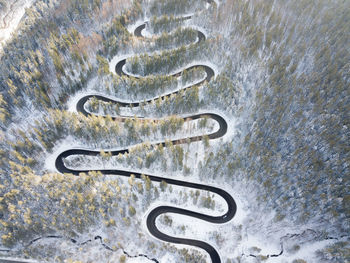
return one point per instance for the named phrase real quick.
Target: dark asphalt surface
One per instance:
(163, 209)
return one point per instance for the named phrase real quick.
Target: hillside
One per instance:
(11, 12)
(175, 131)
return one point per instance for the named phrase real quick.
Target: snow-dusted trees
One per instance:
(176, 7)
(282, 72)
(164, 63)
(46, 66)
(71, 206)
(165, 23)
(180, 37)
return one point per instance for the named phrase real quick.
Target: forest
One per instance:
(280, 81)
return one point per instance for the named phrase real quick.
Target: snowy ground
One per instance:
(241, 237)
(250, 234)
(10, 19)
(16, 260)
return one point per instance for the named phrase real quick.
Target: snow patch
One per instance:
(10, 20)
(73, 100)
(118, 58)
(131, 28)
(168, 258)
(139, 260)
(60, 147)
(17, 260)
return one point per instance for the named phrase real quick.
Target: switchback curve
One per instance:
(151, 217)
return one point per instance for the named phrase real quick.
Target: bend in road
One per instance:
(156, 212)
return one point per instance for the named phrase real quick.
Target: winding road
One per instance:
(151, 218)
